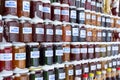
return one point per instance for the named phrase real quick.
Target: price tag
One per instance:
(11, 4)
(58, 32)
(70, 72)
(75, 31)
(46, 9)
(59, 52)
(89, 33)
(82, 16)
(66, 50)
(78, 72)
(51, 77)
(83, 33)
(98, 66)
(27, 30)
(90, 50)
(61, 75)
(40, 78)
(65, 12)
(83, 50)
(68, 32)
(50, 31)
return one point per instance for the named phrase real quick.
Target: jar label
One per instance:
(1, 29)
(98, 4)
(49, 53)
(99, 18)
(90, 50)
(86, 70)
(113, 48)
(49, 31)
(34, 54)
(98, 66)
(27, 30)
(14, 29)
(109, 48)
(59, 52)
(61, 75)
(68, 32)
(103, 19)
(83, 50)
(65, 12)
(83, 1)
(118, 21)
(70, 72)
(103, 34)
(89, 33)
(99, 34)
(12, 4)
(105, 66)
(88, 0)
(97, 49)
(39, 31)
(75, 50)
(114, 63)
(73, 14)
(41, 8)
(26, 6)
(40, 78)
(103, 49)
(75, 32)
(88, 16)
(112, 21)
(118, 62)
(78, 72)
(93, 67)
(83, 33)
(93, 3)
(110, 64)
(116, 48)
(81, 16)
(109, 34)
(57, 11)
(93, 17)
(58, 32)
(66, 50)
(51, 77)
(6, 57)
(46, 9)
(20, 56)
(108, 20)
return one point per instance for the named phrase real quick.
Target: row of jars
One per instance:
(75, 70)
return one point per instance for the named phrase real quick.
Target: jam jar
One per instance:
(57, 29)
(87, 17)
(112, 21)
(75, 51)
(6, 56)
(36, 8)
(6, 75)
(104, 35)
(98, 22)
(93, 5)
(108, 35)
(23, 8)
(103, 20)
(38, 30)
(46, 54)
(81, 15)
(82, 33)
(56, 11)
(19, 55)
(65, 12)
(57, 52)
(108, 20)
(10, 7)
(89, 33)
(1, 28)
(48, 30)
(94, 32)
(92, 66)
(97, 50)
(109, 49)
(93, 18)
(33, 54)
(90, 51)
(98, 64)
(46, 9)
(77, 3)
(25, 29)
(71, 2)
(88, 4)
(99, 34)
(82, 3)
(85, 66)
(103, 50)
(11, 29)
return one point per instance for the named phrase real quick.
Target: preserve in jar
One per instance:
(33, 54)
(38, 30)
(75, 51)
(88, 4)
(87, 17)
(93, 5)
(75, 32)
(57, 52)
(56, 11)
(85, 67)
(104, 64)
(82, 33)
(97, 50)
(103, 20)
(10, 7)
(90, 51)
(109, 74)
(98, 18)
(81, 15)
(94, 32)
(109, 49)
(11, 29)
(6, 75)
(103, 50)
(48, 30)
(109, 35)
(57, 29)
(92, 66)
(73, 14)
(36, 8)
(89, 33)
(46, 54)
(104, 35)
(114, 63)
(71, 2)
(77, 3)
(93, 18)
(112, 21)
(23, 8)
(99, 35)
(65, 12)
(25, 30)
(98, 65)
(85, 76)
(107, 21)
(66, 32)
(19, 55)
(1, 28)
(82, 3)
(66, 51)
(6, 56)
(46, 9)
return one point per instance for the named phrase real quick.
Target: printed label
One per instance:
(88, 16)
(114, 63)
(103, 19)
(78, 72)
(20, 56)
(93, 17)
(88, 0)
(83, 50)
(49, 53)
(39, 31)
(35, 54)
(82, 16)
(40, 8)
(118, 62)
(98, 66)
(68, 32)
(66, 50)
(50, 31)
(27, 30)
(108, 20)
(26, 6)
(57, 11)
(93, 67)
(90, 50)
(89, 33)
(12, 4)
(99, 34)
(61, 75)
(75, 50)
(105, 66)
(75, 32)
(59, 52)
(109, 34)
(86, 70)
(51, 77)
(46, 10)
(73, 14)
(1, 29)
(99, 18)
(104, 34)
(70, 72)
(97, 49)
(6, 57)
(14, 30)
(93, 3)
(83, 33)
(58, 32)
(110, 64)
(98, 5)
(65, 12)
(40, 78)
(109, 48)
(103, 49)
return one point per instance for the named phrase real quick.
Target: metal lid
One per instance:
(57, 23)
(32, 44)
(56, 4)
(47, 21)
(46, 1)
(18, 44)
(20, 71)
(5, 73)
(4, 45)
(64, 5)
(46, 68)
(10, 17)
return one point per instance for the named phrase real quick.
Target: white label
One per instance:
(66, 50)
(93, 3)
(73, 14)
(93, 17)
(6, 57)
(68, 32)
(99, 34)
(110, 64)
(49, 53)
(40, 8)
(88, 0)
(103, 19)
(40, 78)
(113, 48)
(114, 63)
(26, 6)
(1, 29)
(118, 21)
(46, 9)
(103, 49)
(49, 31)
(93, 67)
(89, 33)
(70, 72)
(117, 48)
(109, 34)
(58, 32)
(20, 56)
(118, 62)
(82, 16)
(108, 20)
(51, 77)
(57, 11)
(86, 70)
(97, 49)
(61, 75)
(65, 12)
(27, 30)
(98, 5)
(39, 31)
(75, 50)
(35, 54)
(82, 33)
(59, 52)
(14, 29)
(12, 4)
(88, 16)
(83, 50)
(75, 31)
(105, 66)
(98, 66)
(83, 1)
(112, 20)
(109, 48)
(90, 50)
(99, 18)
(78, 72)
(104, 34)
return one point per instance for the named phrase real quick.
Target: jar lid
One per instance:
(4, 44)
(74, 24)
(98, 72)
(87, 11)
(47, 21)
(25, 18)
(18, 44)
(46, 1)
(59, 65)
(32, 44)
(109, 69)
(64, 5)
(75, 43)
(73, 7)
(10, 17)
(91, 74)
(20, 71)
(85, 75)
(80, 9)
(46, 68)
(36, 20)
(98, 13)
(65, 23)
(35, 69)
(17, 75)
(56, 4)
(57, 43)
(57, 22)
(46, 43)
(5, 73)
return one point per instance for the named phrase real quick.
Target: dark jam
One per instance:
(82, 33)
(90, 51)
(81, 15)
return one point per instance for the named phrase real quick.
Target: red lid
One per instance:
(118, 68)
(85, 75)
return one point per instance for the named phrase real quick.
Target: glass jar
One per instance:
(1, 29)
(90, 51)
(99, 35)
(10, 7)
(109, 49)
(71, 2)
(112, 21)
(77, 3)
(56, 11)
(109, 35)
(25, 30)
(109, 74)
(92, 66)
(6, 56)
(114, 63)
(103, 50)
(75, 51)
(81, 15)
(97, 50)
(94, 32)
(89, 33)
(85, 67)
(46, 55)
(98, 18)
(108, 21)
(57, 29)
(98, 65)
(93, 5)
(88, 4)
(48, 30)
(98, 6)
(6, 75)
(11, 28)
(82, 33)
(103, 20)
(87, 17)
(65, 12)
(19, 55)
(104, 34)
(36, 9)
(104, 64)
(23, 8)
(114, 49)
(82, 3)
(93, 18)
(38, 30)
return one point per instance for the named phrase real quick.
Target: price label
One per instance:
(59, 52)
(73, 14)
(75, 31)
(27, 30)
(65, 12)
(51, 77)
(58, 32)
(11, 4)
(61, 75)
(50, 31)
(14, 29)
(83, 33)
(66, 50)
(1, 29)
(83, 50)
(70, 72)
